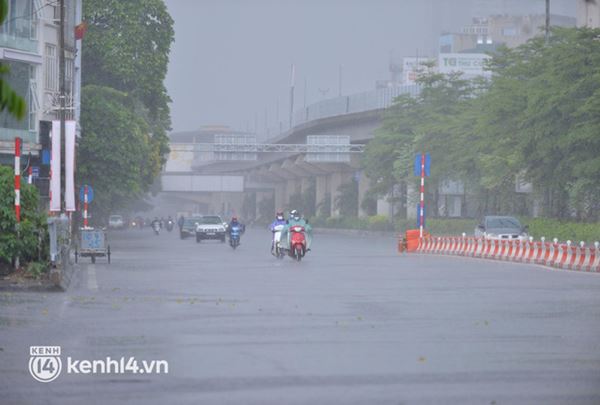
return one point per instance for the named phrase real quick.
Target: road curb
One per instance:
(29, 286)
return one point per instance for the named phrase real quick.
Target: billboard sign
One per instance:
(469, 63)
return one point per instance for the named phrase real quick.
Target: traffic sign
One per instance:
(90, 196)
(417, 169)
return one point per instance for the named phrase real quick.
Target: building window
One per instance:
(18, 77)
(20, 19)
(510, 32)
(33, 103)
(51, 72)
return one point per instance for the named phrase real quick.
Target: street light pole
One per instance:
(547, 31)
(61, 78)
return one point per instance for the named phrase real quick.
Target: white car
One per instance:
(502, 228)
(210, 227)
(116, 222)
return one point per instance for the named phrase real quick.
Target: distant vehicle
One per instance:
(189, 227)
(116, 222)
(501, 228)
(234, 236)
(210, 227)
(156, 227)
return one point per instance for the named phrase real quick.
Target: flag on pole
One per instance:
(80, 30)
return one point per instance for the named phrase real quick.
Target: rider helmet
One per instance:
(295, 215)
(279, 216)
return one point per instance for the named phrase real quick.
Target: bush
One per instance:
(538, 227)
(32, 243)
(36, 269)
(563, 230)
(379, 223)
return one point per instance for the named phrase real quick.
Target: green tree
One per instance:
(126, 49)
(33, 239)
(347, 199)
(116, 154)
(542, 110)
(9, 99)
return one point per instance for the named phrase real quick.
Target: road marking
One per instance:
(92, 282)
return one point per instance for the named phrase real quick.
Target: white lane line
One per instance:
(92, 282)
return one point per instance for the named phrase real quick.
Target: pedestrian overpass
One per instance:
(224, 170)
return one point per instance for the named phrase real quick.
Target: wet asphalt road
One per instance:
(353, 323)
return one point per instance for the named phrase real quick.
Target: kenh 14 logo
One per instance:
(45, 364)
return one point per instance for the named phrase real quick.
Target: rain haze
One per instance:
(231, 60)
(286, 202)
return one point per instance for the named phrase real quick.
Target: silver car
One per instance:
(501, 228)
(210, 227)
(116, 222)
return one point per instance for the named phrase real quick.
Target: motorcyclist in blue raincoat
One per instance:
(279, 220)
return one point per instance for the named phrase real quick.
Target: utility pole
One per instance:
(340, 80)
(293, 81)
(547, 33)
(61, 78)
(305, 90)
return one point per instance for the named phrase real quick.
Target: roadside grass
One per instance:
(538, 227)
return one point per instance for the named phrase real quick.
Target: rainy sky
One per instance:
(231, 60)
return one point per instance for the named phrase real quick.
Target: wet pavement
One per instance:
(353, 323)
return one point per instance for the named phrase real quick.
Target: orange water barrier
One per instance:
(558, 255)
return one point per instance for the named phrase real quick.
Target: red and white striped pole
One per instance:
(85, 206)
(18, 179)
(422, 213)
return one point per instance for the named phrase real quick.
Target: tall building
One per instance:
(485, 34)
(483, 8)
(29, 47)
(588, 13)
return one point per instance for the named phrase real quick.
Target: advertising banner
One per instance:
(55, 162)
(468, 63)
(70, 165)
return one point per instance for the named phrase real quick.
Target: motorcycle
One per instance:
(234, 236)
(276, 249)
(170, 225)
(156, 228)
(298, 246)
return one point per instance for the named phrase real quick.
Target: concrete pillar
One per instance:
(337, 179)
(280, 195)
(363, 188)
(305, 183)
(384, 207)
(294, 186)
(412, 198)
(260, 197)
(322, 188)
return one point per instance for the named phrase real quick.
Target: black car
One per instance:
(189, 227)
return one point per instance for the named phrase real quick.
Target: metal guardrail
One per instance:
(290, 148)
(354, 103)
